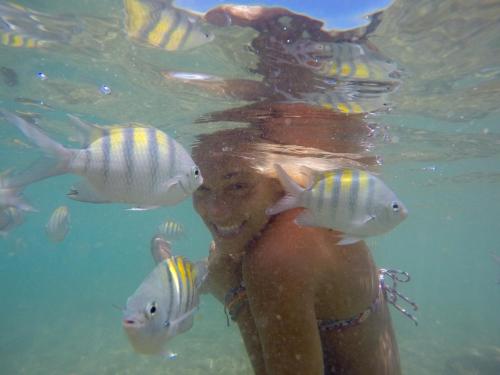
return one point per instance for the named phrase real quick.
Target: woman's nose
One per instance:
(218, 207)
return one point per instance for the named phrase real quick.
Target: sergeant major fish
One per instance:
(141, 166)
(171, 230)
(348, 200)
(58, 225)
(164, 304)
(161, 25)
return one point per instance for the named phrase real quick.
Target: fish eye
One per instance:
(151, 309)
(395, 206)
(196, 172)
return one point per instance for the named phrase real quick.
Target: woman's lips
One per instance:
(227, 231)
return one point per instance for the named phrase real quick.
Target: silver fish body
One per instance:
(163, 306)
(161, 248)
(58, 226)
(10, 218)
(141, 166)
(351, 201)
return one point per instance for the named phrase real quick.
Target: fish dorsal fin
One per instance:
(89, 133)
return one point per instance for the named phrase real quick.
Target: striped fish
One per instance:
(344, 60)
(164, 304)
(171, 230)
(161, 249)
(351, 201)
(141, 166)
(26, 28)
(10, 218)
(161, 25)
(58, 225)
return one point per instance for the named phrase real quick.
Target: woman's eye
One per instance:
(237, 186)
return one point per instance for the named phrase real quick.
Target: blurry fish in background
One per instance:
(171, 230)
(12, 197)
(141, 166)
(161, 249)
(57, 228)
(351, 201)
(159, 24)
(10, 218)
(26, 28)
(164, 304)
(9, 76)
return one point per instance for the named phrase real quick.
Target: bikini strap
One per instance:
(391, 293)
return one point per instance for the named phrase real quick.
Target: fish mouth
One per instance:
(228, 231)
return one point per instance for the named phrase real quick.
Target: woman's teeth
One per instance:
(228, 230)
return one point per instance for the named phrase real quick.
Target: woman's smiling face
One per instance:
(233, 199)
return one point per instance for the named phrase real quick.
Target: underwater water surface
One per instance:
(438, 142)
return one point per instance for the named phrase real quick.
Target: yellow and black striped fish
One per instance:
(344, 60)
(141, 166)
(57, 228)
(171, 229)
(164, 304)
(351, 201)
(22, 27)
(161, 25)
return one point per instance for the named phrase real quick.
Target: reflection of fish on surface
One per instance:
(243, 89)
(352, 201)
(164, 304)
(58, 226)
(343, 60)
(142, 166)
(27, 28)
(159, 24)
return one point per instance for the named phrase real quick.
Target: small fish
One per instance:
(141, 166)
(161, 249)
(10, 218)
(161, 25)
(164, 304)
(12, 197)
(171, 230)
(57, 228)
(348, 200)
(9, 76)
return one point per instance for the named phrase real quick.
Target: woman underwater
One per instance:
(303, 303)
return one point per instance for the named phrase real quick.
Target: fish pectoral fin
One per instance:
(142, 208)
(306, 219)
(348, 240)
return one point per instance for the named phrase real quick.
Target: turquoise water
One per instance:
(440, 148)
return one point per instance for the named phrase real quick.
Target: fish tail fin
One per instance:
(292, 189)
(55, 162)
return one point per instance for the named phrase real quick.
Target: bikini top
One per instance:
(236, 298)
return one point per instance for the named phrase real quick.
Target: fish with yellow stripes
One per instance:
(58, 225)
(171, 229)
(344, 60)
(23, 27)
(161, 25)
(351, 201)
(164, 304)
(141, 166)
